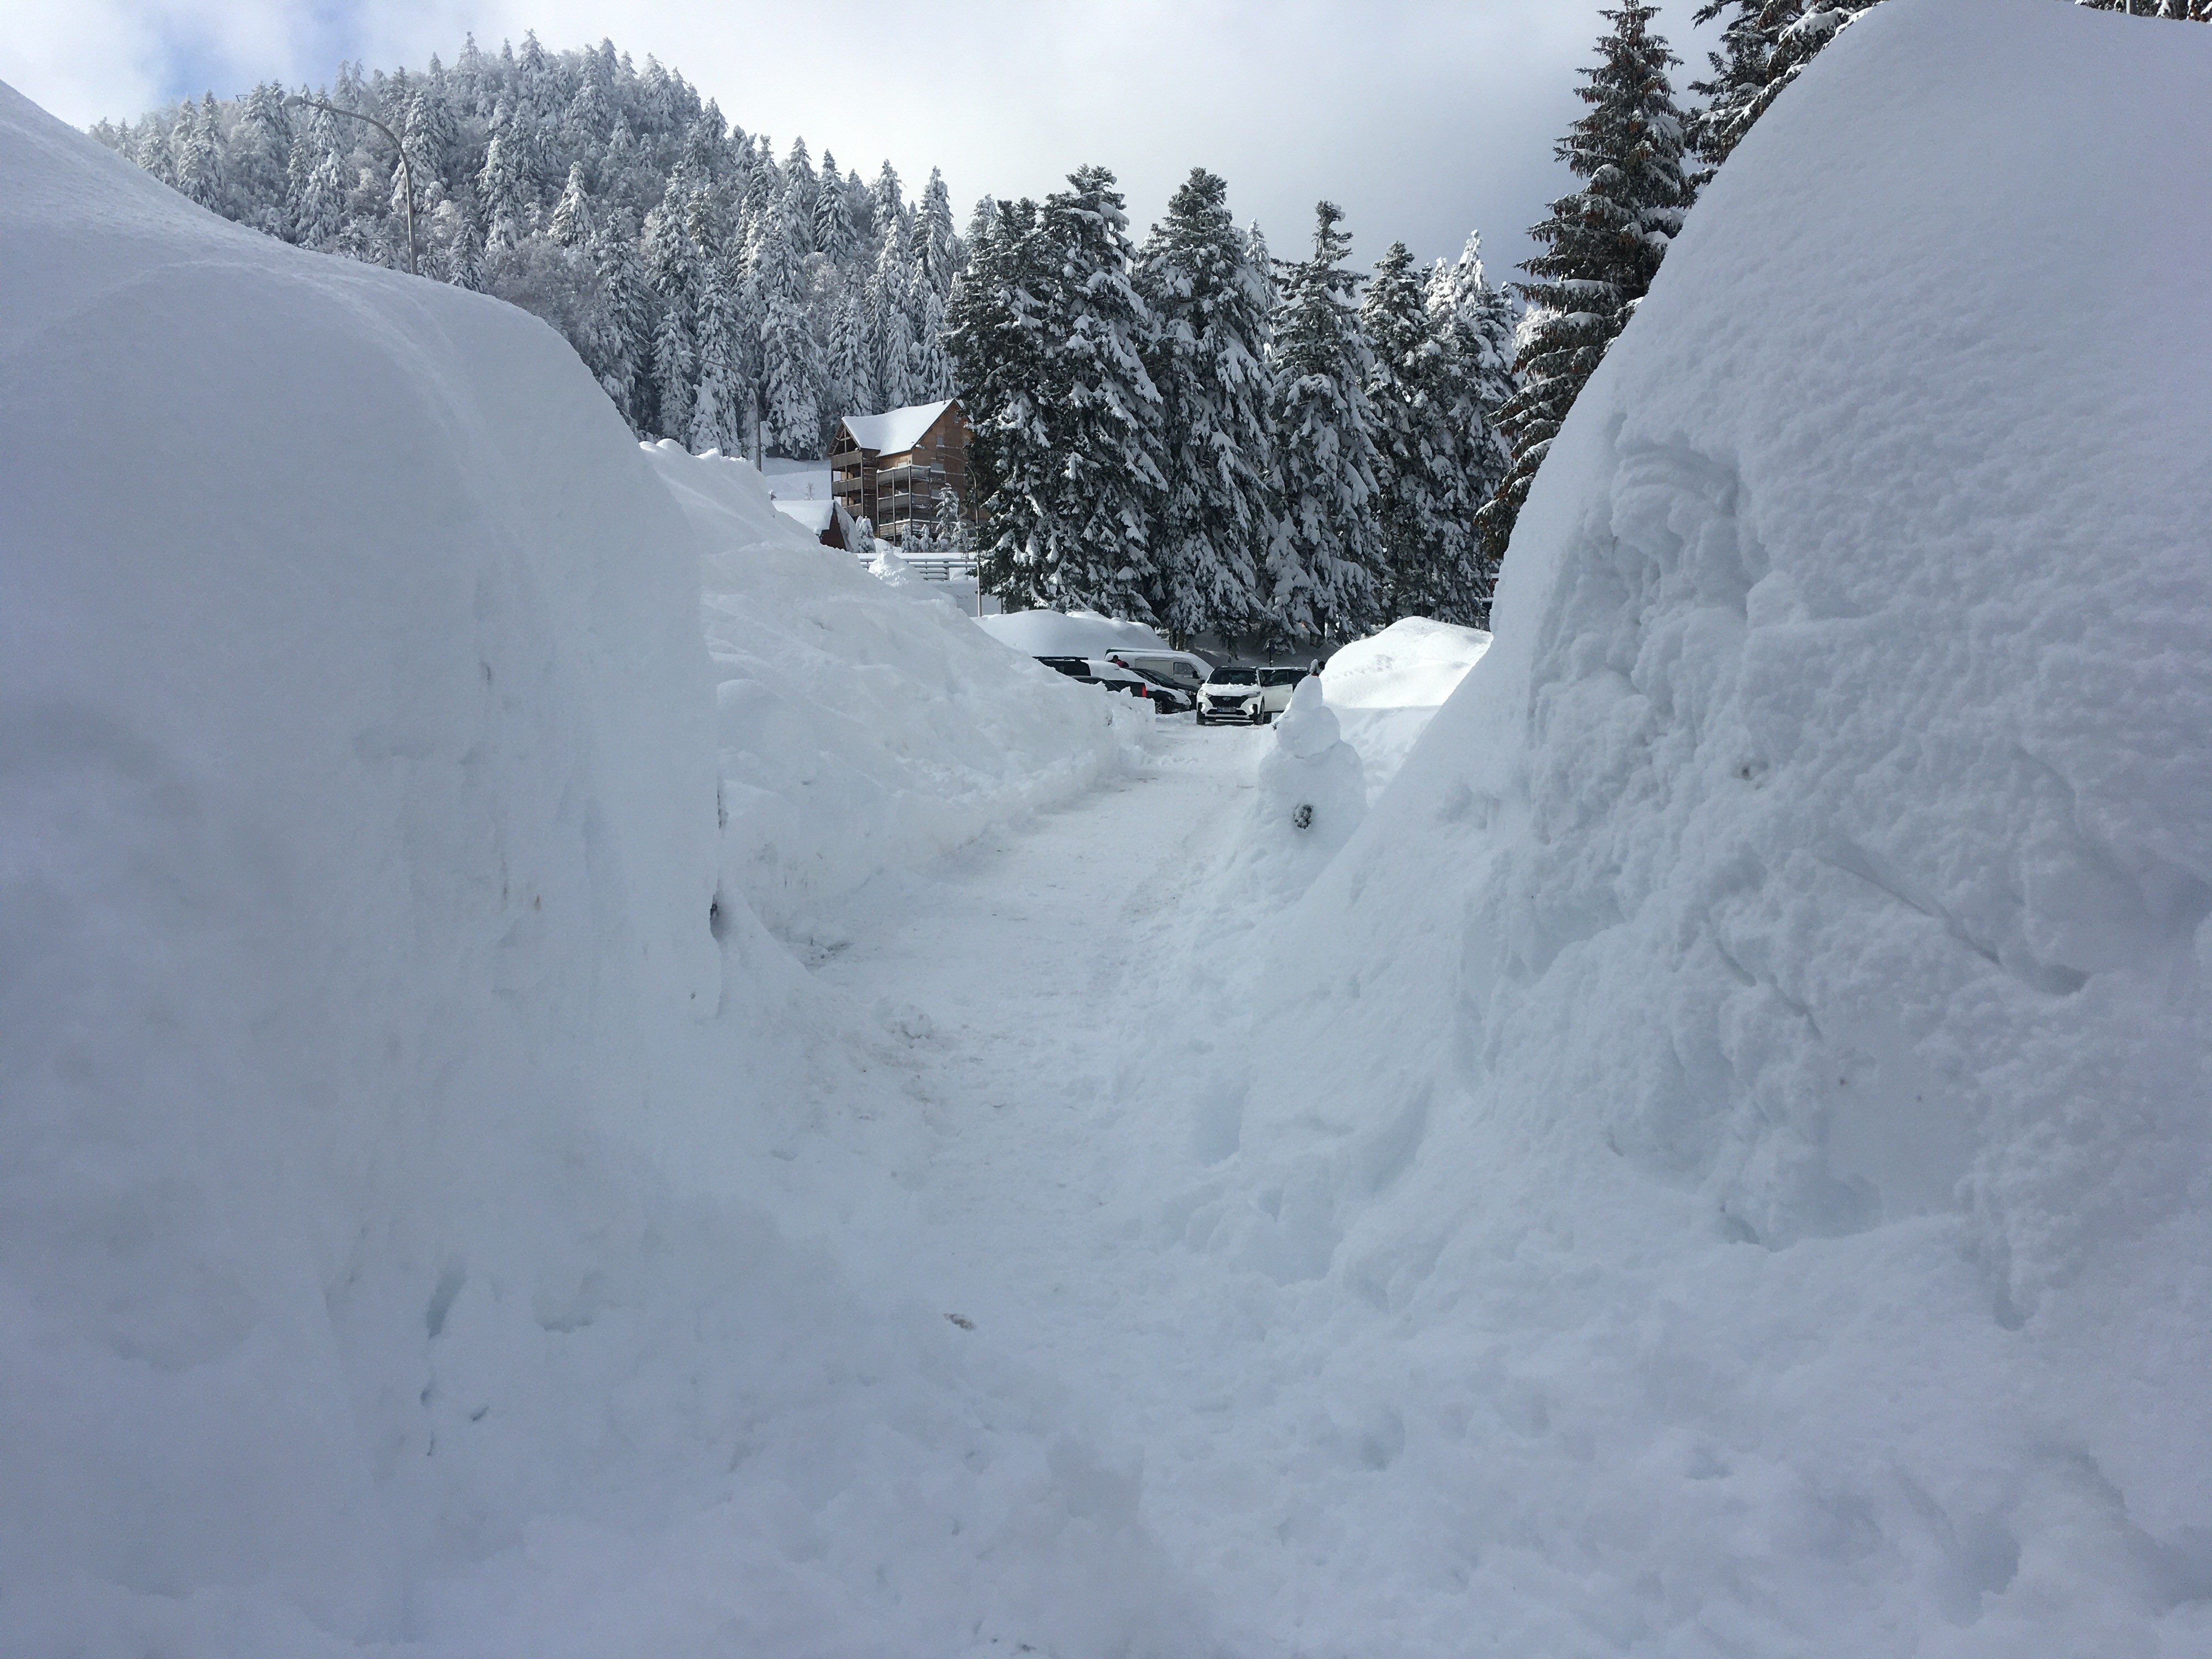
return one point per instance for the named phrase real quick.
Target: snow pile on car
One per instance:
(865, 724)
(1414, 663)
(386, 1039)
(1387, 687)
(1071, 634)
(1728, 1138)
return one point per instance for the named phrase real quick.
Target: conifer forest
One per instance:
(1185, 429)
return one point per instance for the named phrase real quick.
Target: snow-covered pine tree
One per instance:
(590, 117)
(503, 183)
(2197, 11)
(1321, 575)
(949, 533)
(1093, 546)
(886, 207)
(850, 369)
(799, 176)
(260, 147)
(316, 183)
(197, 152)
(572, 214)
(995, 333)
(671, 270)
(929, 367)
(465, 259)
(1472, 323)
(627, 357)
(892, 299)
(936, 243)
(791, 357)
(933, 262)
(1764, 45)
(721, 407)
(834, 234)
(1602, 245)
(674, 364)
(1418, 452)
(432, 137)
(492, 141)
(1210, 301)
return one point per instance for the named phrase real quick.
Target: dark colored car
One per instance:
(1165, 696)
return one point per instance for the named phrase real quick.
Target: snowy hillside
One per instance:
(1735, 1132)
(392, 1058)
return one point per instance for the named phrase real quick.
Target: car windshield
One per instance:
(1235, 677)
(1281, 675)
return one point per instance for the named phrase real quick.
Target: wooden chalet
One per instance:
(890, 469)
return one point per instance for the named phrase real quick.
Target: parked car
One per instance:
(1184, 670)
(1246, 694)
(1170, 694)
(1165, 698)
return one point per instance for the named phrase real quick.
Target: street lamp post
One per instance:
(406, 173)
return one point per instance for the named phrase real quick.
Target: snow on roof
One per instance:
(894, 429)
(815, 516)
(1071, 634)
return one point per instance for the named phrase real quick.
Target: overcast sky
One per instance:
(1423, 119)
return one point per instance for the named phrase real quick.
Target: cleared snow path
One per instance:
(1038, 960)
(1035, 982)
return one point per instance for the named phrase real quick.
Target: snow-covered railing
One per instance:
(937, 566)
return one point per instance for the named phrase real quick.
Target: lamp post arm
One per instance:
(406, 172)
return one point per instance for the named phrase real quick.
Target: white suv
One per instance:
(1252, 696)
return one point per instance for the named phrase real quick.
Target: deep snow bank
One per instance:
(1747, 1082)
(363, 1014)
(863, 726)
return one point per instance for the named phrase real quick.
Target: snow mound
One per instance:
(1312, 790)
(1414, 663)
(1071, 634)
(381, 1029)
(1386, 687)
(865, 724)
(1307, 792)
(1742, 1095)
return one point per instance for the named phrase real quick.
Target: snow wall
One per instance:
(863, 726)
(1743, 1091)
(388, 1070)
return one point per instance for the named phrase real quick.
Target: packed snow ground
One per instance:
(1711, 1161)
